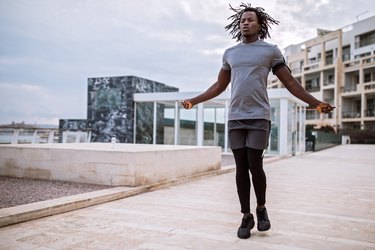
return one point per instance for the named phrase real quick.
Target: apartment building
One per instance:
(338, 67)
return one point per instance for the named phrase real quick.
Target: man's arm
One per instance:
(216, 89)
(298, 91)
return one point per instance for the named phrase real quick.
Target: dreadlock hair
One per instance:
(264, 21)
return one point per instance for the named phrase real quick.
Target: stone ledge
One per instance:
(97, 163)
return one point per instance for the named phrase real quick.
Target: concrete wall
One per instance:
(98, 163)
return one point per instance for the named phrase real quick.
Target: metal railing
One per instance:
(369, 86)
(313, 89)
(364, 60)
(351, 114)
(34, 136)
(328, 82)
(349, 88)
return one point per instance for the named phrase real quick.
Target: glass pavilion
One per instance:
(205, 124)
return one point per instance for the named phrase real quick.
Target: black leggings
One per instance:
(250, 158)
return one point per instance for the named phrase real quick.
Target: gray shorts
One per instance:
(252, 133)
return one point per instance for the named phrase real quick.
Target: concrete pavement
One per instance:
(321, 200)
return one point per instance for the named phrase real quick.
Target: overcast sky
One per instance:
(48, 48)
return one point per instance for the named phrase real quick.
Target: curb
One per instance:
(36, 210)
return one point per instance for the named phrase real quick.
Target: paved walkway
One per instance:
(322, 200)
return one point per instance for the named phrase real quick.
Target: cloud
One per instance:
(48, 49)
(35, 104)
(300, 19)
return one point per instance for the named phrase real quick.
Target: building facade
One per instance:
(110, 109)
(338, 67)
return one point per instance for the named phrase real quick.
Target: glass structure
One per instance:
(165, 121)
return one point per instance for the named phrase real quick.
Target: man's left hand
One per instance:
(324, 108)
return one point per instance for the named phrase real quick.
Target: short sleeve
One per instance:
(278, 61)
(225, 64)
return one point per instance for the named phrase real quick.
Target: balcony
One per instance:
(312, 66)
(351, 114)
(328, 82)
(369, 86)
(365, 61)
(297, 70)
(312, 89)
(329, 61)
(370, 113)
(369, 60)
(349, 88)
(312, 115)
(345, 57)
(312, 82)
(351, 63)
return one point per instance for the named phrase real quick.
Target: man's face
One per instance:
(249, 24)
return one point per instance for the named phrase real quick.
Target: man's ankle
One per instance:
(246, 215)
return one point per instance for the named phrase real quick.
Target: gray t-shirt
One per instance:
(250, 64)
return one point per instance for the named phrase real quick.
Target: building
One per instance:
(110, 109)
(338, 67)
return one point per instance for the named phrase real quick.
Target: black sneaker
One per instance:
(264, 223)
(246, 225)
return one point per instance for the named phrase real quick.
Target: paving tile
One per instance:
(321, 200)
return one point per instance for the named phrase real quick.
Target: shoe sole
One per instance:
(265, 229)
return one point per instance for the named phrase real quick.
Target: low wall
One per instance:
(99, 163)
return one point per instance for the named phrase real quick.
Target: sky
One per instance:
(49, 48)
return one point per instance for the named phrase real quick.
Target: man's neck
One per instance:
(249, 39)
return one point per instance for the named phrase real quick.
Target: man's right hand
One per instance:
(186, 104)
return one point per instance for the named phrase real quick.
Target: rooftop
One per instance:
(320, 200)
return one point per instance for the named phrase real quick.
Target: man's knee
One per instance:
(255, 157)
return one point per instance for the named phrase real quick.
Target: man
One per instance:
(247, 65)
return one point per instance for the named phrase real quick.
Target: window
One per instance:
(368, 77)
(329, 57)
(313, 85)
(362, 55)
(346, 53)
(365, 39)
